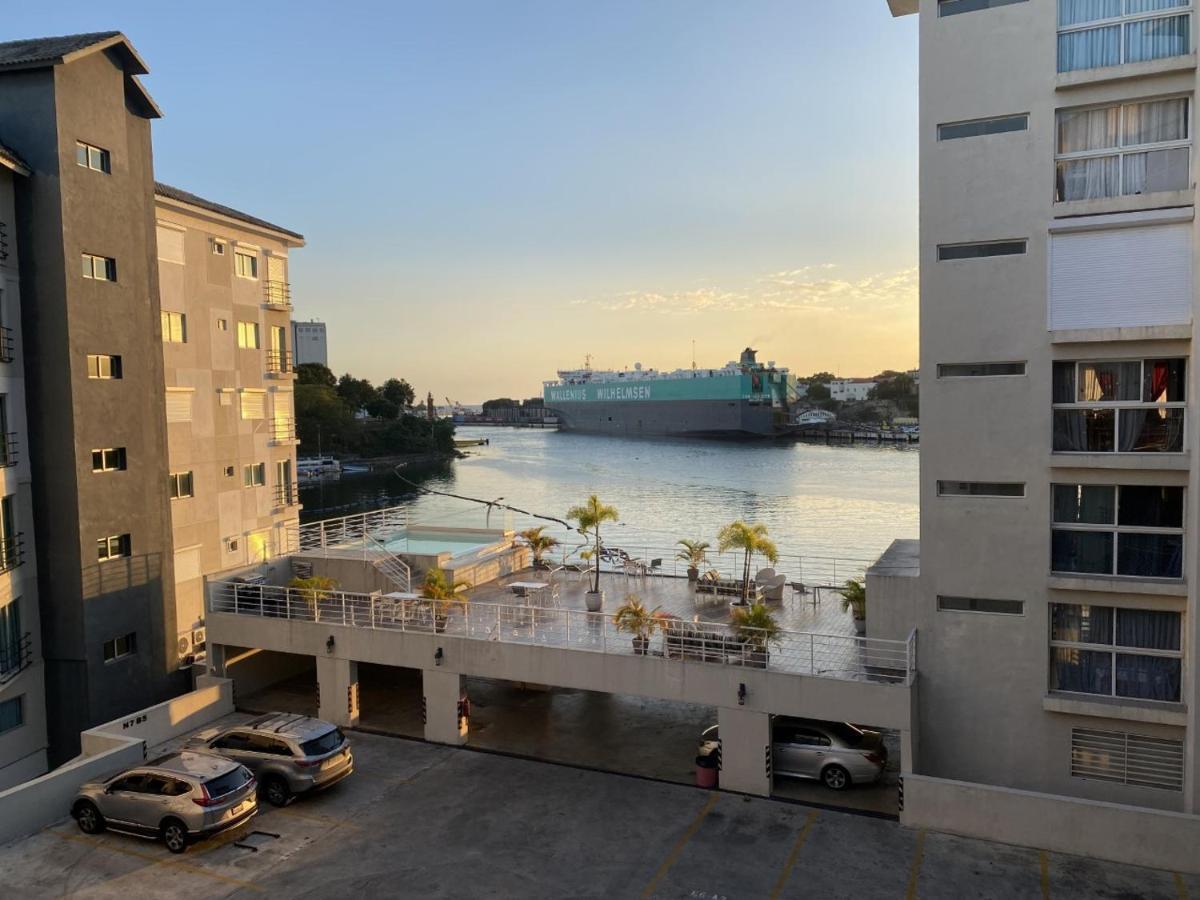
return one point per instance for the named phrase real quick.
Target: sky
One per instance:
(492, 190)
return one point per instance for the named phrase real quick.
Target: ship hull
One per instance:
(672, 418)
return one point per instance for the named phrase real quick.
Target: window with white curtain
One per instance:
(1093, 34)
(1132, 148)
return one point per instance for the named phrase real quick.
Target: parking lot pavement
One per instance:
(423, 820)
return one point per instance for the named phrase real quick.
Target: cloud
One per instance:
(810, 289)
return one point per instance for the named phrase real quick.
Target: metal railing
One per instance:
(287, 494)
(7, 351)
(279, 362)
(393, 567)
(8, 449)
(15, 657)
(791, 652)
(344, 532)
(283, 430)
(277, 294)
(12, 552)
(3, 241)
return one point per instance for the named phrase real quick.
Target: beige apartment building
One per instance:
(1054, 586)
(231, 432)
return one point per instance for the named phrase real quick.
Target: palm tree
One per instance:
(590, 517)
(538, 543)
(750, 539)
(442, 594)
(310, 589)
(633, 618)
(756, 626)
(854, 600)
(693, 553)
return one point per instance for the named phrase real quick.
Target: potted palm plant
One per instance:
(538, 544)
(590, 517)
(310, 590)
(757, 629)
(442, 595)
(633, 618)
(694, 554)
(854, 601)
(750, 539)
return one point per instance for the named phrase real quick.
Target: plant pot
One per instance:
(439, 623)
(860, 625)
(640, 644)
(594, 600)
(693, 573)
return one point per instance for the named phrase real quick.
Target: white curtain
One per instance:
(1087, 179)
(1088, 129)
(1155, 122)
(1141, 6)
(1090, 49)
(1076, 12)
(1156, 38)
(1158, 170)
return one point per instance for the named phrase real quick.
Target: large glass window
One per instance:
(1131, 530)
(11, 637)
(1093, 34)
(1125, 406)
(1116, 652)
(1135, 148)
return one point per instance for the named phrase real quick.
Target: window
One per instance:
(981, 605)
(111, 459)
(980, 489)
(1131, 530)
(12, 714)
(980, 250)
(181, 485)
(103, 366)
(13, 647)
(112, 547)
(954, 7)
(126, 645)
(248, 335)
(174, 327)
(222, 324)
(254, 404)
(92, 158)
(1116, 652)
(1125, 758)
(952, 131)
(1135, 148)
(245, 264)
(179, 405)
(1119, 406)
(254, 475)
(979, 370)
(100, 268)
(1093, 34)
(218, 247)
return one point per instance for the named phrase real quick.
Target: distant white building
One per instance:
(850, 389)
(308, 342)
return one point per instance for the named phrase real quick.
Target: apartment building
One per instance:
(309, 339)
(74, 111)
(1057, 568)
(22, 675)
(850, 388)
(231, 430)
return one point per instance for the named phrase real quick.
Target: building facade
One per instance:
(22, 674)
(850, 389)
(1056, 572)
(309, 340)
(75, 112)
(226, 328)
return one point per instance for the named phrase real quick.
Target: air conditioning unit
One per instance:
(199, 639)
(219, 248)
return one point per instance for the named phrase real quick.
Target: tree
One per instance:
(397, 392)
(498, 403)
(750, 539)
(380, 407)
(818, 392)
(356, 393)
(315, 373)
(590, 517)
(322, 420)
(820, 378)
(901, 387)
(538, 543)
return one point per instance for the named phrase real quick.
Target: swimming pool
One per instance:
(432, 541)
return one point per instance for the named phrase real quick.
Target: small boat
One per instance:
(312, 468)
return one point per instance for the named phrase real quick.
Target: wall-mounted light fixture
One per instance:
(742, 694)
(329, 644)
(437, 656)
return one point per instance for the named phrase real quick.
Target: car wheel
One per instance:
(835, 778)
(174, 835)
(277, 792)
(88, 817)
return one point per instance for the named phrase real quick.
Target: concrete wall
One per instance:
(1126, 834)
(251, 669)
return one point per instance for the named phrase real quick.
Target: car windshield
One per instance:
(326, 743)
(846, 733)
(230, 781)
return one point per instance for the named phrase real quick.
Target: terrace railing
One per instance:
(349, 533)
(792, 652)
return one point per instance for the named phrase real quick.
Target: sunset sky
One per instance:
(492, 189)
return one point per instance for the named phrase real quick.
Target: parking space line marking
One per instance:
(1044, 867)
(1180, 887)
(677, 850)
(791, 860)
(155, 860)
(331, 821)
(915, 872)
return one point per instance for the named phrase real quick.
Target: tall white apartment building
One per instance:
(309, 339)
(1057, 573)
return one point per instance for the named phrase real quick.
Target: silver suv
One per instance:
(290, 754)
(179, 797)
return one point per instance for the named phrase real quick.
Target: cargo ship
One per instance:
(743, 399)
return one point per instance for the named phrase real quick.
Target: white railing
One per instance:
(347, 531)
(395, 569)
(792, 652)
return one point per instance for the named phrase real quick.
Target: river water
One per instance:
(816, 500)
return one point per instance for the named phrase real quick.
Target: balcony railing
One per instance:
(7, 353)
(15, 656)
(279, 362)
(277, 294)
(8, 449)
(12, 552)
(283, 431)
(3, 242)
(792, 652)
(287, 495)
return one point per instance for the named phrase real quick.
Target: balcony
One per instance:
(287, 495)
(279, 363)
(8, 449)
(283, 431)
(3, 242)
(12, 552)
(277, 295)
(7, 351)
(15, 656)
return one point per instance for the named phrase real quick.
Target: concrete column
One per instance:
(216, 660)
(745, 750)
(440, 691)
(337, 689)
